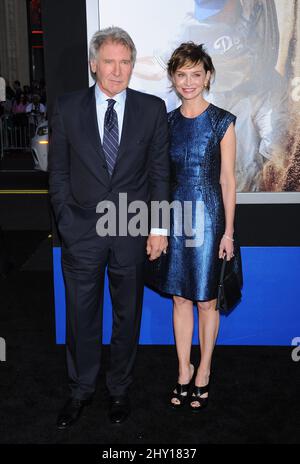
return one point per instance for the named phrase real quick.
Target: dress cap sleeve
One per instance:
(224, 123)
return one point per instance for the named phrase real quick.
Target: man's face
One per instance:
(113, 67)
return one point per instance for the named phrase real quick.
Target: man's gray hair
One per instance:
(111, 34)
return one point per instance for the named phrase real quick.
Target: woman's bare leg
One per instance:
(209, 321)
(183, 320)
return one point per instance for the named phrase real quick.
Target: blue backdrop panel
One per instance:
(269, 313)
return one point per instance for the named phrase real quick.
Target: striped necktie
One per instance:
(111, 136)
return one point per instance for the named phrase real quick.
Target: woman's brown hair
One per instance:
(190, 54)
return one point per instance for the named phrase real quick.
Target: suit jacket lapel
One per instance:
(129, 124)
(94, 157)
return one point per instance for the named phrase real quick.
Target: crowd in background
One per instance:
(25, 102)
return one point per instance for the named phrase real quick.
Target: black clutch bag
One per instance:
(229, 288)
(155, 271)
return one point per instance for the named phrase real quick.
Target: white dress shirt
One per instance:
(101, 107)
(119, 106)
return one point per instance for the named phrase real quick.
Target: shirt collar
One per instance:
(101, 97)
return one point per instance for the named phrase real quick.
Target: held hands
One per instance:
(156, 244)
(226, 246)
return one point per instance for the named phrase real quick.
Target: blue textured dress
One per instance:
(192, 265)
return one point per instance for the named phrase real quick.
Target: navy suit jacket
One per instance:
(78, 174)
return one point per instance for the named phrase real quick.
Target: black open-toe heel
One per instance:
(180, 393)
(196, 396)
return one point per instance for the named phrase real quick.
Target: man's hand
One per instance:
(156, 244)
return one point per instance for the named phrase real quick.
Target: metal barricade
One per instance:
(16, 132)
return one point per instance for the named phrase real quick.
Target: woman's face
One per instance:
(189, 81)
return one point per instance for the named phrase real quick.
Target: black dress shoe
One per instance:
(71, 412)
(119, 409)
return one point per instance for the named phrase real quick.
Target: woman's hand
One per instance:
(226, 246)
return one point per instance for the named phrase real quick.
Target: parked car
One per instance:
(39, 147)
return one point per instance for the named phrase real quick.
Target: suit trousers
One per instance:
(84, 265)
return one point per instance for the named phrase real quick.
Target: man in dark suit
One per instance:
(106, 140)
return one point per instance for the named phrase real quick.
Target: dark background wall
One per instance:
(65, 47)
(65, 53)
(65, 42)
(268, 224)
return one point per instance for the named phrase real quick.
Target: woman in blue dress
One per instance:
(202, 151)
